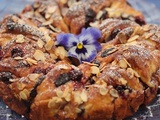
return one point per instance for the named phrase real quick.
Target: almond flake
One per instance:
(77, 110)
(49, 44)
(51, 9)
(114, 93)
(59, 93)
(33, 77)
(135, 37)
(39, 55)
(53, 56)
(95, 70)
(68, 97)
(24, 94)
(40, 43)
(103, 90)
(122, 64)
(55, 102)
(61, 52)
(77, 98)
(123, 81)
(130, 73)
(31, 61)
(18, 58)
(20, 38)
(84, 96)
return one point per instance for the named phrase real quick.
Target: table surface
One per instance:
(151, 11)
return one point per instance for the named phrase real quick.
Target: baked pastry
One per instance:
(43, 78)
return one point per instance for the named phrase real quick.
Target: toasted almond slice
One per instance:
(33, 77)
(122, 64)
(51, 9)
(103, 90)
(39, 55)
(59, 93)
(24, 94)
(123, 81)
(84, 96)
(20, 38)
(95, 70)
(55, 102)
(135, 37)
(31, 61)
(40, 43)
(18, 58)
(114, 93)
(49, 44)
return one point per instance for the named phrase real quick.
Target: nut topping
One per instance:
(39, 55)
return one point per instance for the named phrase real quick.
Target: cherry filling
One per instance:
(74, 75)
(90, 14)
(5, 77)
(17, 52)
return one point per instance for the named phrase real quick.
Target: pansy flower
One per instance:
(84, 46)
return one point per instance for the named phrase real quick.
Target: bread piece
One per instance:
(39, 80)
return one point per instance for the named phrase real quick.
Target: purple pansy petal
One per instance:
(72, 52)
(89, 35)
(90, 55)
(66, 40)
(97, 45)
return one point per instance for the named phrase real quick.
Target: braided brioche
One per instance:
(40, 81)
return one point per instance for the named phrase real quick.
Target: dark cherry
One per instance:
(5, 76)
(17, 52)
(61, 79)
(75, 75)
(90, 14)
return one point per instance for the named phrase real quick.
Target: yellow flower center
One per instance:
(80, 45)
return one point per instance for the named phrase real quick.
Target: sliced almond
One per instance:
(68, 97)
(24, 94)
(122, 64)
(40, 43)
(84, 96)
(61, 52)
(59, 93)
(123, 81)
(55, 102)
(148, 35)
(31, 61)
(77, 110)
(114, 93)
(99, 14)
(47, 15)
(95, 70)
(33, 77)
(53, 56)
(51, 9)
(77, 98)
(103, 90)
(130, 73)
(146, 28)
(18, 58)
(39, 55)
(49, 44)
(135, 37)
(20, 38)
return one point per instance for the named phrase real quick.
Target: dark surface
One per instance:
(151, 10)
